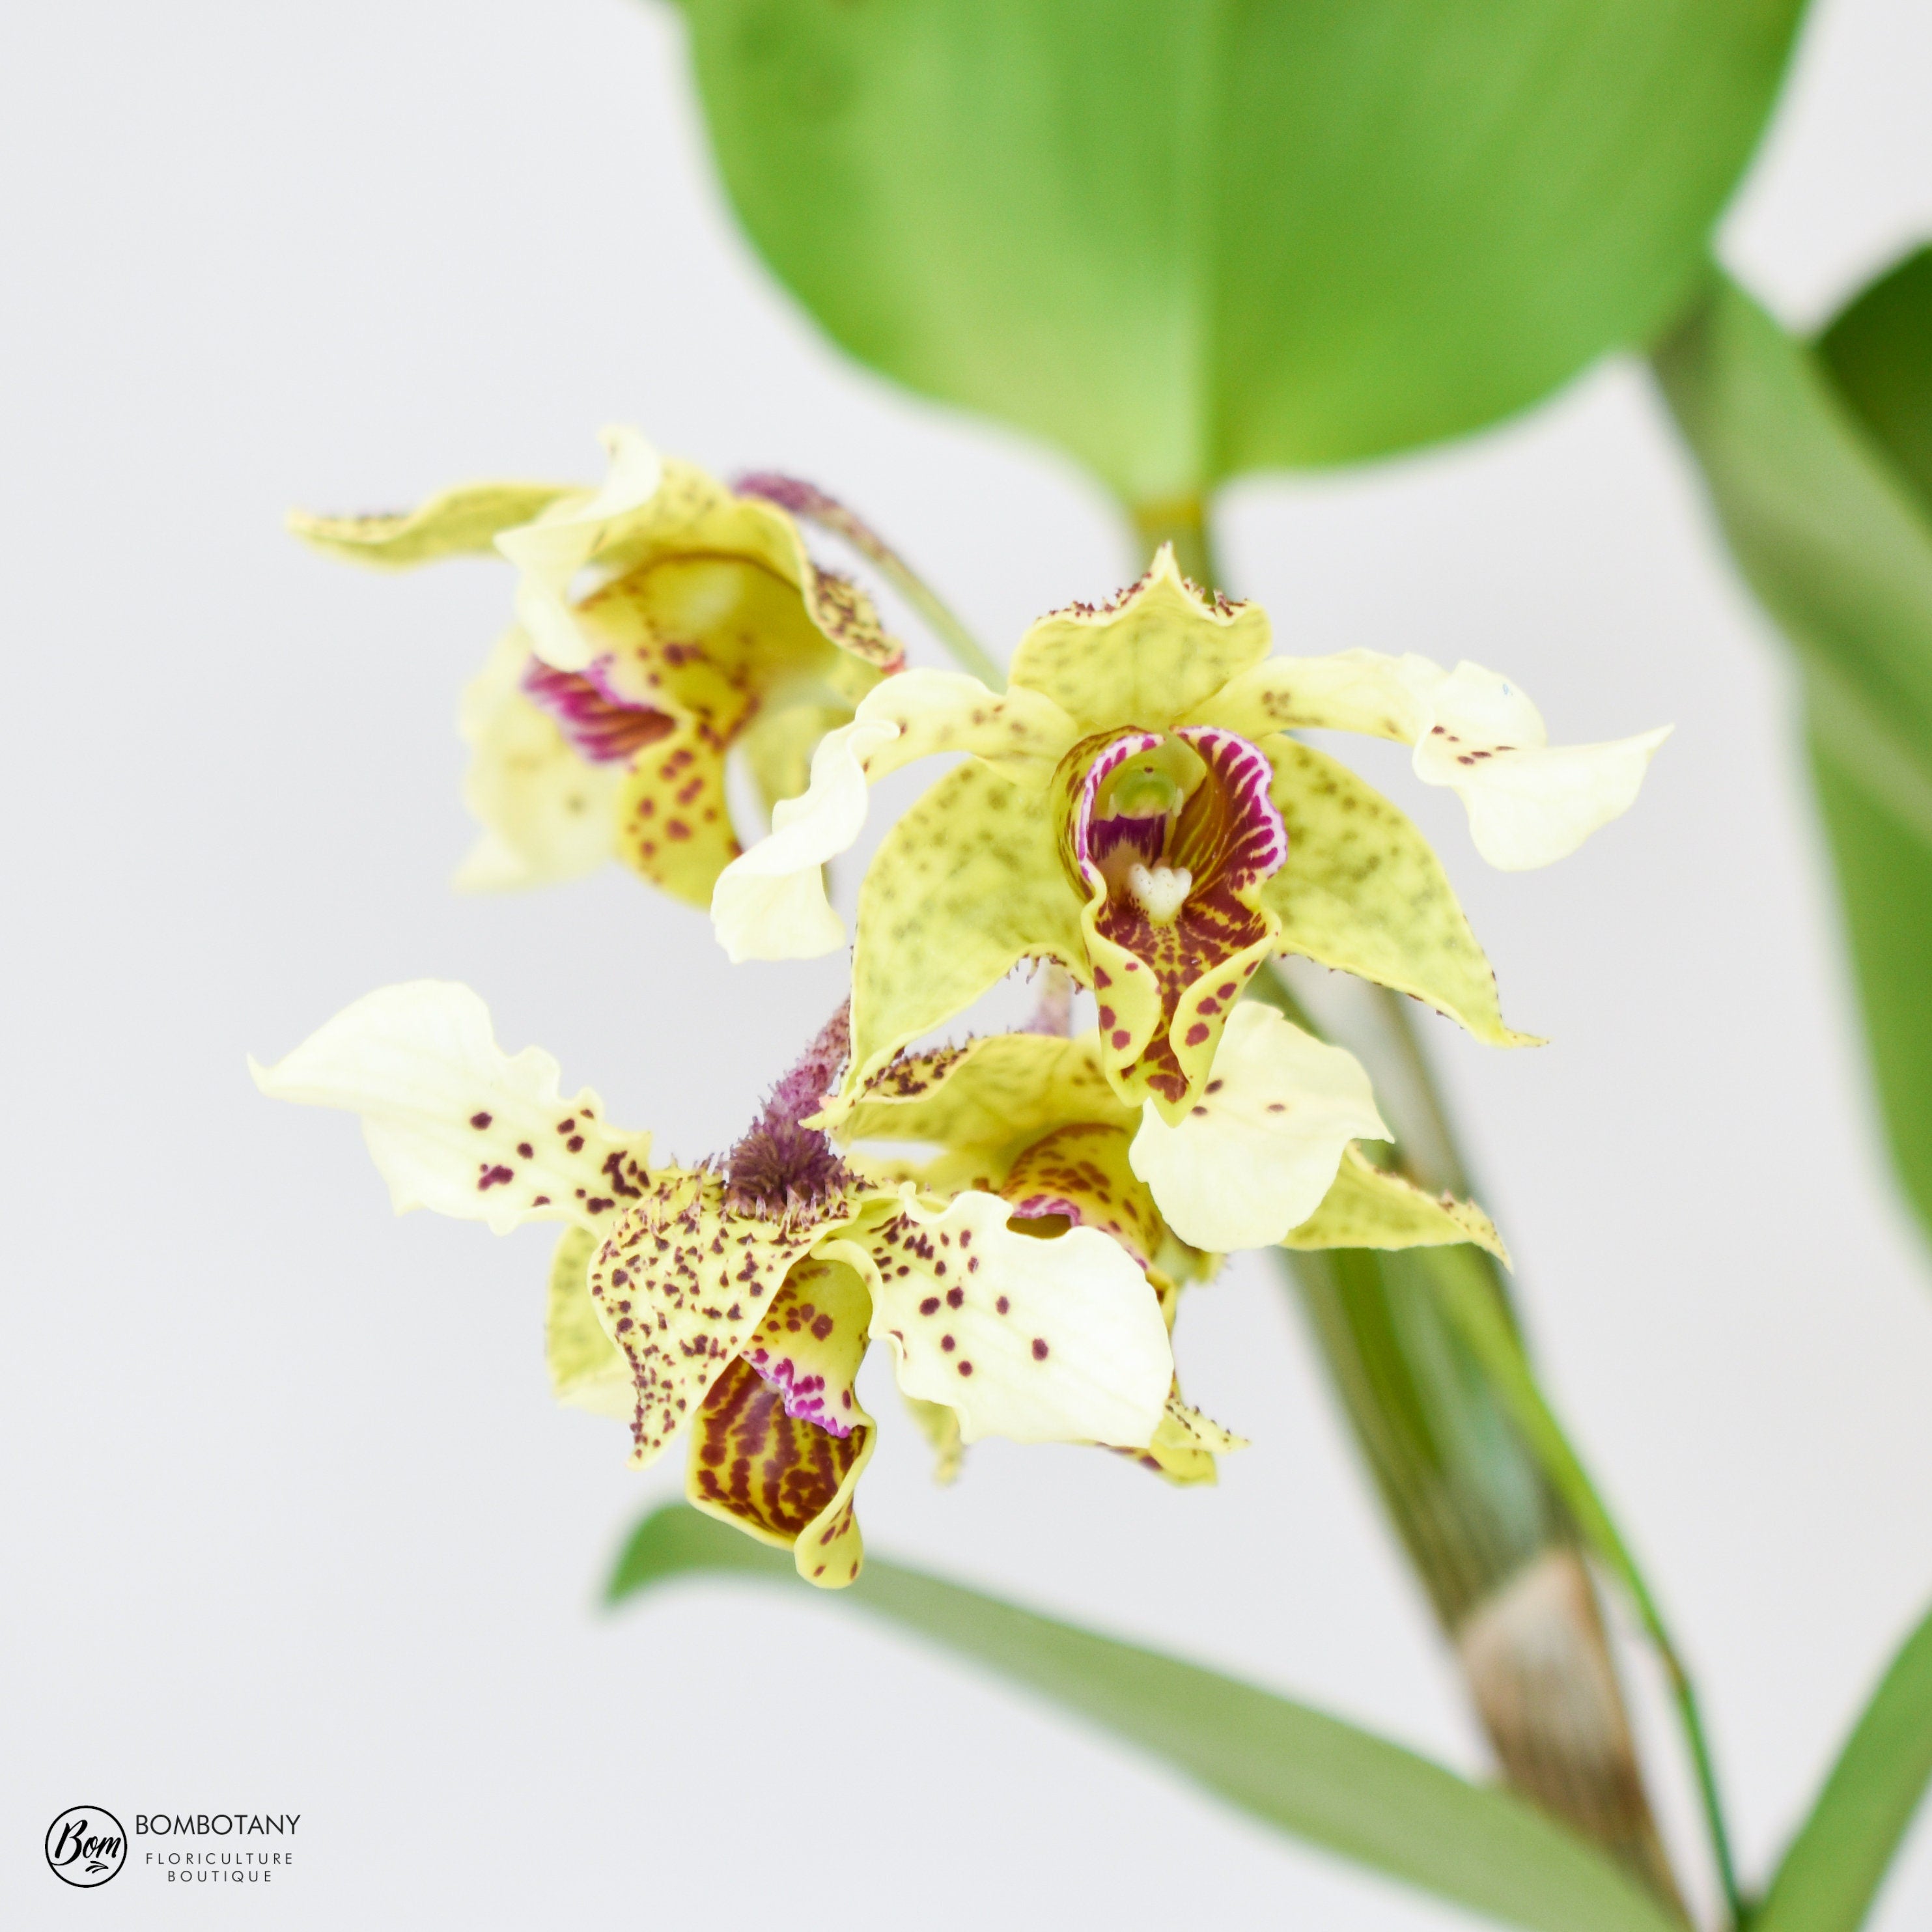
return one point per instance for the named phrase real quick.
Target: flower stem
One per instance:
(1493, 1537)
(811, 505)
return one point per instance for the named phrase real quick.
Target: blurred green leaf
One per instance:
(1310, 1775)
(1818, 463)
(1187, 238)
(1832, 1872)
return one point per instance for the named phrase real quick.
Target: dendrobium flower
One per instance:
(1034, 1118)
(660, 622)
(1133, 807)
(730, 1304)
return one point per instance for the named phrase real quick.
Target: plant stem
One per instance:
(811, 505)
(1486, 1523)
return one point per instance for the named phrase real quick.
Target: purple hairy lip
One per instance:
(600, 725)
(780, 1165)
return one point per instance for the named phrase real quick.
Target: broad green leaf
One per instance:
(1187, 238)
(1817, 462)
(1832, 1872)
(1308, 1774)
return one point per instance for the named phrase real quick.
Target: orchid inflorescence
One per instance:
(1134, 812)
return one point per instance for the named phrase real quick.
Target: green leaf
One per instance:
(1187, 238)
(1818, 463)
(1832, 1872)
(1305, 1774)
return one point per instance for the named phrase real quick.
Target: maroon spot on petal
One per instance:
(524, 1148)
(1038, 1349)
(480, 1121)
(495, 1177)
(575, 1143)
(676, 828)
(930, 1306)
(965, 1368)
(1214, 1086)
(1226, 992)
(1119, 1036)
(1106, 1016)
(1002, 1305)
(1277, 1106)
(1196, 1034)
(946, 1342)
(955, 1297)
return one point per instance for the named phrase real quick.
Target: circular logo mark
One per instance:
(85, 1845)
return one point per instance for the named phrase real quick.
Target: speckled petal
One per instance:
(1079, 1174)
(456, 1124)
(781, 1439)
(1021, 734)
(1529, 803)
(785, 1480)
(1369, 1207)
(681, 1284)
(585, 1368)
(997, 1088)
(1472, 730)
(1256, 1154)
(1156, 653)
(1055, 1340)
(674, 826)
(1186, 1445)
(548, 815)
(462, 522)
(1362, 891)
(811, 1341)
(966, 884)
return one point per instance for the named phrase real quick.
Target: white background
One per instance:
(292, 1523)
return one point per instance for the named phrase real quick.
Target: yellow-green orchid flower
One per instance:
(1268, 1156)
(661, 621)
(1133, 807)
(735, 1301)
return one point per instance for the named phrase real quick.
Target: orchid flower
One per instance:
(730, 1304)
(661, 621)
(1267, 1157)
(1133, 806)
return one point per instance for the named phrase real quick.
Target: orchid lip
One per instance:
(601, 727)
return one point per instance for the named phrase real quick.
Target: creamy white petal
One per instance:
(573, 532)
(1039, 1340)
(769, 902)
(1256, 1154)
(453, 1122)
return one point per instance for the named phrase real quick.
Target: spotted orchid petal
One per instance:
(1186, 1447)
(455, 1123)
(1529, 803)
(771, 903)
(462, 522)
(1369, 1207)
(1078, 1176)
(780, 1440)
(1001, 1091)
(1148, 657)
(586, 1369)
(1255, 1156)
(1054, 1340)
(968, 882)
(548, 813)
(1363, 891)
(681, 1284)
